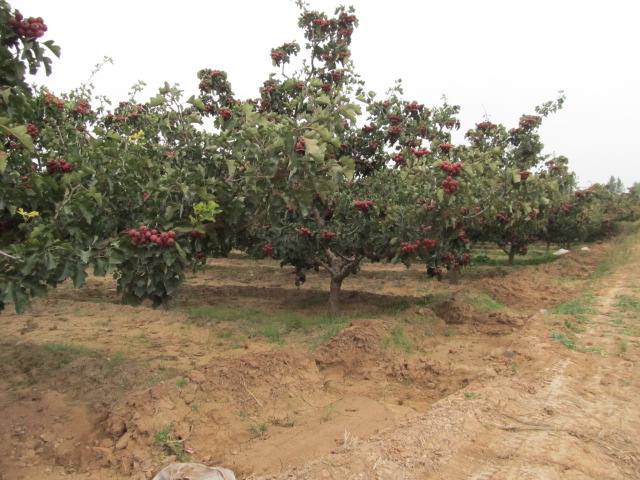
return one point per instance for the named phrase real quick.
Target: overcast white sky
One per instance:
(501, 57)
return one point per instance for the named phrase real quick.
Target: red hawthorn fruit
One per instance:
(277, 56)
(529, 121)
(503, 217)
(363, 205)
(421, 152)
(51, 99)
(300, 146)
(82, 108)
(395, 131)
(394, 119)
(32, 130)
(146, 196)
(446, 147)
(216, 73)
(321, 22)
(429, 243)
(450, 185)
(486, 125)
(59, 166)
(452, 169)
(29, 28)
(304, 232)
(524, 175)
(328, 235)
(336, 76)
(369, 128)
(326, 87)
(410, 247)
(170, 242)
(345, 32)
(413, 107)
(399, 159)
(225, 113)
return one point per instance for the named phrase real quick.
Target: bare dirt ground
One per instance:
(522, 373)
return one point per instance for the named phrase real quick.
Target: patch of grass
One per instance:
(569, 325)
(569, 340)
(448, 333)
(285, 422)
(484, 302)
(170, 443)
(579, 307)
(258, 430)
(471, 395)
(566, 340)
(398, 338)
(623, 346)
(534, 258)
(182, 382)
(628, 304)
(432, 298)
(62, 354)
(207, 314)
(328, 412)
(272, 333)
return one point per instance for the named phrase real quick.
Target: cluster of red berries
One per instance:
(303, 232)
(346, 19)
(28, 28)
(566, 207)
(326, 87)
(529, 121)
(51, 99)
(59, 166)
(277, 56)
(268, 249)
(524, 174)
(410, 247)
(503, 217)
(82, 108)
(395, 130)
(144, 235)
(32, 130)
(369, 128)
(394, 119)
(421, 152)
(450, 185)
(328, 235)
(486, 125)
(414, 107)
(337, 75)
(300, 147)
(452, 169)
(446, 147)
(321, 22)
(399, 159)
(428, 244)
(363, 205)
(225, 113)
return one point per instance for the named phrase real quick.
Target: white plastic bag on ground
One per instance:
(562, 251)
(194, 471)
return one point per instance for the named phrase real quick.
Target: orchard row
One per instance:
(315, 172)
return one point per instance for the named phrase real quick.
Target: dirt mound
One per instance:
(353, 348)
(454, 310)
(206, 414)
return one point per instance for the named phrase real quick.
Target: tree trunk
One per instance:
(512, 254)
(334, 295)
(454, 275)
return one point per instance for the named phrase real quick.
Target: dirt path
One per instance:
(571, 413)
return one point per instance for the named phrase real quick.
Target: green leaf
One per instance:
(156, 101)
(3, 161)
(21, 134)
(196, 102)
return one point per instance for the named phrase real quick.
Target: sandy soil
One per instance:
(420, 379)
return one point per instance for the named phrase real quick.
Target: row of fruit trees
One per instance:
(317, 172)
